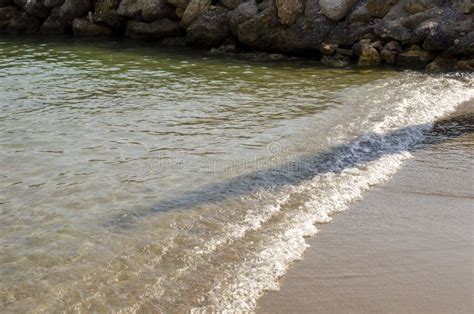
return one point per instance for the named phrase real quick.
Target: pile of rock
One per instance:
(434, 34)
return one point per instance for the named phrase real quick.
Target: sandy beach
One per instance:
(407, 247)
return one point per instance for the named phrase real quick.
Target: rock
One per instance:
(414, 59)
(361, 14)
(464, 65)
(53, 3)
(74, 8)
(210, 29)
(328, 49)
(369, 56)
(85, 28)
(378, 8)
(193, 10)
(231, 4)
(261, 31)
(6, 15)
(345, 52)
(105, 11)
(146, 10)
(338, 61)
(441, 64)
(416, 6)
(54, 24)
(463, 6)
(390, 52)
(463, 45)
(336, 9)
(179, 3)
(15, 21)
(156, 30)
(288, 10)
(37, 8)
(174, 41)
(242, 13)
(5, 3)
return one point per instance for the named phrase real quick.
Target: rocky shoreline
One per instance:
(436, 35)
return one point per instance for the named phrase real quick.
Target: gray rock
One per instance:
(336, 9)
(414, 59)
(361, 14)
(210, 29)
(85, 28)
(21, 23)
(156, 30)
(231, 4)
(146, 10)
(378, 8)
(74, 8)
(441, 64)
(338, 61)
(369, 56)
(179, 3)
(193, 10)
(53, 3)
(105, 11)
(289, 10)
(463, 6)
(242, 13)
(54, 24)
(5, 3)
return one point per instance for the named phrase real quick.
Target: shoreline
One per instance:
(435, 37)
(405, 247)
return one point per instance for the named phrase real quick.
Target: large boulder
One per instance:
(242, 13)
(18, 22)
(53, 3)
(289, 10)
(369, 56)
(231, 4)
(182, 4)
(5, 3)
(37, 8)
(85, 28)
(54, 24)
(416, 59)
(361, 14)
(153, 31)
(416, 6)
(335, 9)
(146, 10)
(210, 29)
(463, 6)
(378, 8)
(105, 11)
(390, 52)
(75, 8)
(193, 10)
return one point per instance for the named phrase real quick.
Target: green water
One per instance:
(134, 177)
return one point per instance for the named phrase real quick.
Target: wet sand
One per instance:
(407, 247)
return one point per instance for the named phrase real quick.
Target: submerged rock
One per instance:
(337, 60)
(85, 28)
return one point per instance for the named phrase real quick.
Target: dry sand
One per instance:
(407, 247)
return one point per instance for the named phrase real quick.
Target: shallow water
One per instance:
(142, 178)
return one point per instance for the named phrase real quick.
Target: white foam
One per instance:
(395, 124)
